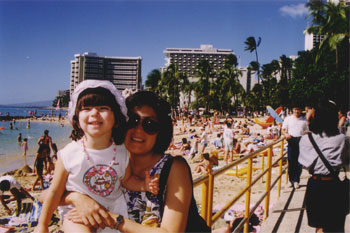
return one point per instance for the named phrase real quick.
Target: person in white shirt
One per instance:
(228, 142)
(8, 183)
(294, 126)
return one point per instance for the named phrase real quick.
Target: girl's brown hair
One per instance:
(99, 97)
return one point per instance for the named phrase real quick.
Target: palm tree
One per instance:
(152, 81)
(173, 80)
(254, 66)
(204, 72)
(286, 68)
(229, 82)
(269, 72)
(257, 93)
(231, 60)
(332, 21)
(275, 66)
(286, 65)
(219, 89)
(251, 46)
(188, 88)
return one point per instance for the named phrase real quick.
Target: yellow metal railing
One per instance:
(207, 182)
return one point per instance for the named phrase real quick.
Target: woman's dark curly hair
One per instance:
(99, 97)
(162, 110)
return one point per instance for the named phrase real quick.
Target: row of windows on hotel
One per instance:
(101, 71)
(115, 82)
(197, 55)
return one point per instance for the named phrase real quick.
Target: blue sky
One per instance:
(38, 39)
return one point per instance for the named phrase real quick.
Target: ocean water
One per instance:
(18, 111)
(8, 138)
(11, 153)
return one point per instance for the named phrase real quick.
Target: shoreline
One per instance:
(12, 161)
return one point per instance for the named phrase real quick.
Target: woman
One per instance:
(323, 202)
(149, 134)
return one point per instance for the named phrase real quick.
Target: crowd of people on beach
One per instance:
(126, 168)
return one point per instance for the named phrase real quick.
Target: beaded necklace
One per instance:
(100, 171)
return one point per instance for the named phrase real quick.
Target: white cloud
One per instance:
(294, 11)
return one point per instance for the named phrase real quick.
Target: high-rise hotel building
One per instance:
(187, 59)
(123, 72)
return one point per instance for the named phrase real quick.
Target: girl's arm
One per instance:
(133, 183)
(53, 197)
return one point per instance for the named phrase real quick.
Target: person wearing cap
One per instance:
(96, 163)
(293, 128)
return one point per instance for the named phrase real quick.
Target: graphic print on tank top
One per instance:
(100, 179)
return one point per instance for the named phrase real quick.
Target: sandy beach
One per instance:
(225, 186)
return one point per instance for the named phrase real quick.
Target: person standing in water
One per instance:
(25, 149)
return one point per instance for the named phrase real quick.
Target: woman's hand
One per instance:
(88, 212)
(152, 184)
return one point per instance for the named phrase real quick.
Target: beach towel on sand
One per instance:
(28, 217)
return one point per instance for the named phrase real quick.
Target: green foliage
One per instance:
(64, 101)
(153, 79)
(322, 73)
(313, 81)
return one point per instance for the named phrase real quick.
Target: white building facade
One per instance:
(123, 72)
(187, 59)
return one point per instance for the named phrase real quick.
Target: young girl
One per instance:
(97, 163)
(25, 149)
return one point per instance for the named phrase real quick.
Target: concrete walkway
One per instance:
(289, 213)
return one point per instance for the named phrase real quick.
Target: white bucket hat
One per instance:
(93, 84)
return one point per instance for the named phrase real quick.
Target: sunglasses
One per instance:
(149, 125)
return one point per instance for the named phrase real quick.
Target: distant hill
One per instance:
(41, 104)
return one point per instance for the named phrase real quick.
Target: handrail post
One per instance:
(210, 197)
(204, 206)
(287, 170)
(280, 170)
(248, 193)
(262, 166)
(268, 181)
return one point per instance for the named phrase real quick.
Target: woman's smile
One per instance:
(136, 139)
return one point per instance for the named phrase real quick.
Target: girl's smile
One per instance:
(96, 121)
